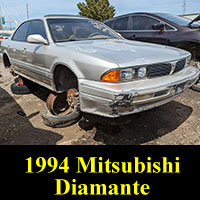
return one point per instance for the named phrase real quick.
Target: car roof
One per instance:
(56, 16)
(64, 16)
(146, 13)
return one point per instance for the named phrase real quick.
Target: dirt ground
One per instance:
(177, 122)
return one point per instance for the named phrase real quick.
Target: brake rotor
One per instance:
(65, 103)
(57, 103)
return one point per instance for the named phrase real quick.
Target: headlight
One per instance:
(142, 72)
(187, 61)
(127, 74)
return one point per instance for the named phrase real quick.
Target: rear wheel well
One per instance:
(64, 79)
(6, 61)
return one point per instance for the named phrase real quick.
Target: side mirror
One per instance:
(36, 39)
(160, 27)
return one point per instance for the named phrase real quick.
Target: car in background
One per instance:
(3, 36)
(161, 28)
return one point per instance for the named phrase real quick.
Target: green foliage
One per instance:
(96, 9)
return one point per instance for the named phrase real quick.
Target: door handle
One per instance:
(133, 37)
(24, 51)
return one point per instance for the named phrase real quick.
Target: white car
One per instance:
(90, 68)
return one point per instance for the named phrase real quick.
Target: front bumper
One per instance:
(119, 99)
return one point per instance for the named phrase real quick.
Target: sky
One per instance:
(16, 9)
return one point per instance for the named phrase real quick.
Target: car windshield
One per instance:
(178, 20)
(65, 29)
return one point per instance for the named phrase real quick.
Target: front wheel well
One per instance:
(64, 79)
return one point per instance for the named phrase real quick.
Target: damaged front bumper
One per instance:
(118, 99)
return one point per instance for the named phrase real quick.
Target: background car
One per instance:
(161, 28)
(3, 36)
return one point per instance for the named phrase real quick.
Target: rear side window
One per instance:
(143, 23)
(37, 27)
(109, 24)
(21, 32)
(169, 28)
(120, 24)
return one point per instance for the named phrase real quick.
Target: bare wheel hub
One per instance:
(73, 99)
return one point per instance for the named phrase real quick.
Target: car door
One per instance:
(15, 47)
(35, 52)
(142, 29)
(36, 56)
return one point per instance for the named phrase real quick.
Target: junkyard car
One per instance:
(161, 28)
(90, 67)
(3, 36)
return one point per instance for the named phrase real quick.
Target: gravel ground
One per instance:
(175, 123)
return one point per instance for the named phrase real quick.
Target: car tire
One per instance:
(60, 121)
(19, 90)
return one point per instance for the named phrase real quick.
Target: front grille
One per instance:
(180, 65)
(163, 69)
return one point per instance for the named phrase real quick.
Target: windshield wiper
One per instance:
(92, 38)
(67, 40)
(99, 37)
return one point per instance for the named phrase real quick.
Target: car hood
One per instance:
(124, 52)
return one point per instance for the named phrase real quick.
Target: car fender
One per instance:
(70, 65)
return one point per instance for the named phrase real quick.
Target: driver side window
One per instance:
(37, 27)
(21, 33)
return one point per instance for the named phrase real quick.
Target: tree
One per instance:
(96, 9)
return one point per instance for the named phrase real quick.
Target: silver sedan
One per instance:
(91, 68)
